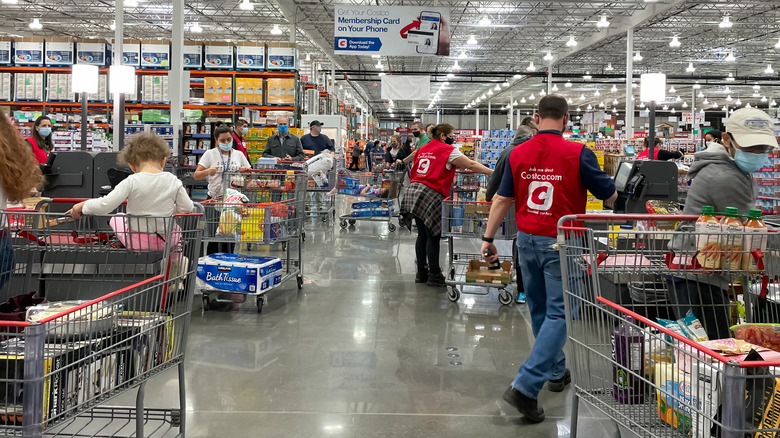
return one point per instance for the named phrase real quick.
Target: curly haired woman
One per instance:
(19, 172)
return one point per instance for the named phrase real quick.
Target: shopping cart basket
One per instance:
(368, 197)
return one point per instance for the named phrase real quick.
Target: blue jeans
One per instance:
(540, 267)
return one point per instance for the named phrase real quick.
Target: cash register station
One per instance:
(640, 181)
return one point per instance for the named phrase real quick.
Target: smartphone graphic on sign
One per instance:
(428, 42)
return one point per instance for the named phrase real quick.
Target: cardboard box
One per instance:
(478, 272)
(28, 51)
(675, 400)
(218, 55)
(239, 273)
(259, 91)
(131, 52)
(155, 53)
(93, 52)
(59, 51)
(193, 55)
(250, 56)
(6, 52)
(282, 56)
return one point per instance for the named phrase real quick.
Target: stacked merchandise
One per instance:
(59, 87)
(5, 86)
(164, 131)
(249, 90)
(155, 89)
(29, 87)
(766, 185)
(493, 143)
(239, 273)
(281, 91)
(464, 138)
(62, 140)
(97, 140)
(218, 90)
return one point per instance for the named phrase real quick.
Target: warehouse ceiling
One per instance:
(518, 33)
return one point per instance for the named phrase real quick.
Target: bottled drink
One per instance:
(731, 243)
(628, 345)
(710, 255)
(755, 238)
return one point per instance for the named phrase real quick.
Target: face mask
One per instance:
(748, 162)
(45, 132)
(283, 129)
(449, 140)
(226, 147)
(244, 131)
(416, 133)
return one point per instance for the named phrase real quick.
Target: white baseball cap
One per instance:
(751, 127)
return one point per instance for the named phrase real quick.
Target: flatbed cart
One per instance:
(622, 280)
(259, 223)
(468, 220)
(85, 332)
(368, 196)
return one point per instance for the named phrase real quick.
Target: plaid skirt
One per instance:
(424, 203)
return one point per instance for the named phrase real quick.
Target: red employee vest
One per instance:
(645, 154)
(40, 154)
(240, 144)
(430, 167)
(546, 173)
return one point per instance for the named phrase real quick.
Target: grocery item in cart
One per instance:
(482, 272)
(755, 239)
(708, 242)
(628, 345)
(673, 395)
(663, 207)
(731, 241)
(239, 273)
(96, 318)
(765, 335)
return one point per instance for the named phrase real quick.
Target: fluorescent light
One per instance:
(730, 78)
(450, 75)
(375, 56)
(609, 67)
(675, 42)
(195, 27)
(472, 41)
(36, 24)
(567, 84)
(485, 21)
(603, 22)
(638, 57)
(548, 56)
(531, 67)
(653, 87)
(245, 5)
(726, 23)
(518, 76)
(769, 70)
(572, 42)
(276, 30)
(10, 2)
(730, 57)
(690, 68)
(463, 55)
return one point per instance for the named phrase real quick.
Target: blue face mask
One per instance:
(244, 131)
(45, 132)
(283, 129)
(748, 162)
(226, 147)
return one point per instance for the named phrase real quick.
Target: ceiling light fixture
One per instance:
(769, 70)
(472, 41)
(725, 23)
(10, 2)
(714, 104)
(763, 99)
(379, 65)
(531, 66)
(245, 5)
(532, 97)
(456, 66)
(609, 67)
(375, 56)
(518, 76)
(497, 88)
(381, 73)
(638, 57)
(548, 56)
(601, 24)
(590, 107)
(131, 3)
(773, 103)
(685, 105)
(665, 107)
(690, 68)
(701, 95)
(675, 42)
(506, 84)
(731, 77)
(543, 93)
(672, 90)
(276, 30)
(696, 86)
(601, 105)
(706, 101)
(572, 42)
(195, 27)
(597, 93)
(582, 97)
(463, 55)
(36, 24)
(730, 57)
(569, 100)
(587, 76)
(522, 100)
(554, 87)
(485, 21)
(112, 26)
(514, 103)
(738, 102)
(729, 98)
(747, 105)
(615, 102)
(308, 57)
(568, 84)
(490, 92)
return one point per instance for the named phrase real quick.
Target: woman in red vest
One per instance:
(432, 174)
(40, 141)
(658, 153)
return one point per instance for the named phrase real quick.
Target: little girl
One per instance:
(149, 191)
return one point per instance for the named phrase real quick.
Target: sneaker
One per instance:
(436, 280)
(520, 298)
(558, 385)
(421, 277)
(526, 406)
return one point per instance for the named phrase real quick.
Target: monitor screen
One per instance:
(623, 173)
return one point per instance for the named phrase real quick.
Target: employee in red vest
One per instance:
(431, 178)
(40, 141)
(658, 152)
(239, 131)
(549, 178)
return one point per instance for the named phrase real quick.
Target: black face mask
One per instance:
(449, 140)
(416, 133)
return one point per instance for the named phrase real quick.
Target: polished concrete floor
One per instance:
(361, 351)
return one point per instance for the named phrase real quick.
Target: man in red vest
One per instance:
(549, 178)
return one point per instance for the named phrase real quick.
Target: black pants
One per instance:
(355, 165)
(427, 247)
(709, 303)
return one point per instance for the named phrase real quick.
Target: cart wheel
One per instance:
(343, 224)
(391, 227)
(259, 304)
(205, 302)
(352, 221)
(300, 282)
(453, 294)
(504, 297)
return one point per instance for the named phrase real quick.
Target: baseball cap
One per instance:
(315, 123)
(752, 127)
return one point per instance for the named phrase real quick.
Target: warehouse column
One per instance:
(477, 118)
(629, 83)
(549, 80)
(119, 99)
(176, 75)
(510, 116)
(489, 126)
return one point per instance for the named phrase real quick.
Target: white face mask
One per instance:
(226, 146)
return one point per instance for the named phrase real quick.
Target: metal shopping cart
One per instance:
(625, 279)
(369, 197)
(266, 212)
(104, 309)
(466, 272)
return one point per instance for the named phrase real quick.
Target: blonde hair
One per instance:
(144, 147)
(19, 171)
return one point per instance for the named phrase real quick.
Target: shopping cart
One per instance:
(85, 330)
(625, 279)
(368, 197)
(377, 160)
(466, 272)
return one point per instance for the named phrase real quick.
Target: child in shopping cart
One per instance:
(149, 192)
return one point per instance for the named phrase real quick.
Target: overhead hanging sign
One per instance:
(392, 30)
(400, 87)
